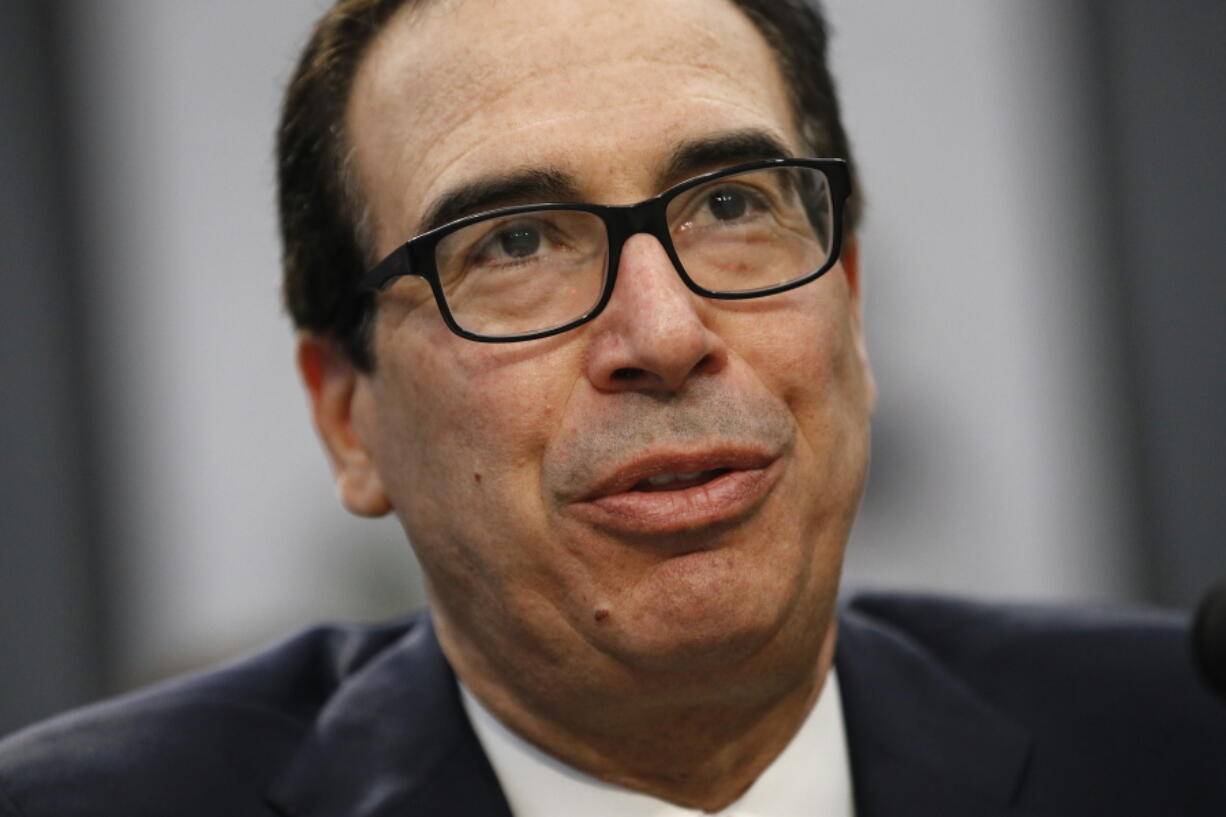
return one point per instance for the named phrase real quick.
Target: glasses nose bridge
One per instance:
(628, 220)
(639, 218)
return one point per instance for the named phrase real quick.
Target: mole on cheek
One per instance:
(476, 477)
(601, 614)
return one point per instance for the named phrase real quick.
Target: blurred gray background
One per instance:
(1044, 296)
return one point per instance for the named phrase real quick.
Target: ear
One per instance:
(849, 259)
(340, 405)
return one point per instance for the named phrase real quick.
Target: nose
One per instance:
(652, 335)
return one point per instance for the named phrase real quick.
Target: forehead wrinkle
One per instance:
(452, 117)
(483, 80)
(555, 163)
(580, 70)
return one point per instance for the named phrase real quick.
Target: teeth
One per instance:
(666, 479)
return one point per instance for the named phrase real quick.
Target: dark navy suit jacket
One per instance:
(951, 709)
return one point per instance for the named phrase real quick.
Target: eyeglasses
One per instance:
(527, 272)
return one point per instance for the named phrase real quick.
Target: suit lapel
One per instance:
(393, 740)
(921, 743)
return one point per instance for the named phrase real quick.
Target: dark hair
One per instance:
(326, 246)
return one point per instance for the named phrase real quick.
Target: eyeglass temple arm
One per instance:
(381, 275)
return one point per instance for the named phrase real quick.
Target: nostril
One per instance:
(627, 373)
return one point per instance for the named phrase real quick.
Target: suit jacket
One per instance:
(951, 709)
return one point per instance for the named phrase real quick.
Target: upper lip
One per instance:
(624, 477)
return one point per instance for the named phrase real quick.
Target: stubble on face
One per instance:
(704, 412)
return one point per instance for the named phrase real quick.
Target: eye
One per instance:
(520, 241)
(514, 240)
(727, 205)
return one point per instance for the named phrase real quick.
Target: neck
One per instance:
(698, 742)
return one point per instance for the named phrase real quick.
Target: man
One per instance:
(615, 389)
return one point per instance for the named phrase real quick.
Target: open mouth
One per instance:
(677, 481)
(675, 492)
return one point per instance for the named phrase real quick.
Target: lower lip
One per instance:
(724, 498)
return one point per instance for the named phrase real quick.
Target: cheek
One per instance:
(461, 423)
(464, 428)
(808, 354)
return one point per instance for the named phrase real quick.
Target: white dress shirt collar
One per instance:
(811, 776)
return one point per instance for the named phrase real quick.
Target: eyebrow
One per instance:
(520, 187)
(540, 185)
(721, 150)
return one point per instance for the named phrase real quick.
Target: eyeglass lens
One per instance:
(532, 271)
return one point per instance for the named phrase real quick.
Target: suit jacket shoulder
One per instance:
(1064, 711)
(190, 746)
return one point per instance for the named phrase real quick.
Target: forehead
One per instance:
(456, 89)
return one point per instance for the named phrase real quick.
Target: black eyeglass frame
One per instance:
(417, 257)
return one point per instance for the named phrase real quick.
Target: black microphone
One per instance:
(1209, 638)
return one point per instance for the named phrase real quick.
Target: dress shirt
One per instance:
(811, 776)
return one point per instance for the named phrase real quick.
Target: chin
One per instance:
(687, 618)
(688, 652)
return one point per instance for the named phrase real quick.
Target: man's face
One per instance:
(519, 470)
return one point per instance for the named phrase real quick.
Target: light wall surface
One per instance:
(227, 528)
(997, 449)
